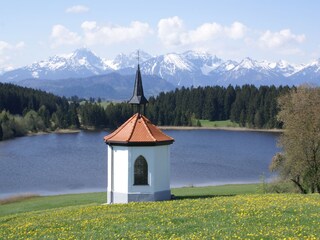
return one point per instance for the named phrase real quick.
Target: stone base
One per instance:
(115, 197)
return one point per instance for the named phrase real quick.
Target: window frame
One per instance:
(140, 172)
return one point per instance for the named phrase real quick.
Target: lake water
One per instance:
(77, 162)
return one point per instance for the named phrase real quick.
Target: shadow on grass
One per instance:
(201, 196)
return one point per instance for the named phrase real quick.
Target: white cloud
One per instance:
(7, 46)
(61, 35)
(172, 32)
(88, 25)
(20, 45)
(280, 39)
(229, 41)
(236, 31)
(7, 50)
(93, 34)
(77, 9)
(205, 32)
(234, 41)
(3, 46)
(105, 35)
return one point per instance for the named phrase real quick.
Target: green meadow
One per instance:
(220, 212)
(225, 123)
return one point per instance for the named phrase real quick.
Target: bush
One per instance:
(279, 186)
(33, 121)
(11, 126)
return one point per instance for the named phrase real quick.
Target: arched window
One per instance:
(140, 171)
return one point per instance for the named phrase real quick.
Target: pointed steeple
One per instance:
(138, 97)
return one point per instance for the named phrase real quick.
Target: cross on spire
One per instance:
(138, 97)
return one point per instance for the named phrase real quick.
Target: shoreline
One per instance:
(178, 128)
(16, 197)
(59, 131)
(182, 128)
(240, 129)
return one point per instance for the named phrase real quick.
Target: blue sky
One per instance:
(270, 30)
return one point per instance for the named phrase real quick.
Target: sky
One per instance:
(269, 30)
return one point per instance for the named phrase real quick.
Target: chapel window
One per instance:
(140, 171)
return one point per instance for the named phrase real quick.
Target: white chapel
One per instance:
(138, 157)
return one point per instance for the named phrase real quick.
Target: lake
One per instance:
(77, 162)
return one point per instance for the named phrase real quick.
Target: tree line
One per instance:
(24, 110)
(247, 105)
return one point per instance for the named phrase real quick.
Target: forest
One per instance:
(247, 105)
(24, 110)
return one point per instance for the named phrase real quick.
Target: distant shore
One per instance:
(243, 129)
(183, 128)
(55, 131)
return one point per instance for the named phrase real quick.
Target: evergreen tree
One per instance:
(229, 98)
(45, 115)
(73, 116)
(1, 132)
(33, 121)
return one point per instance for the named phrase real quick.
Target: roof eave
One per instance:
(141, 144)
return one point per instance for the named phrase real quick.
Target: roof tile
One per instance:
(138, 130)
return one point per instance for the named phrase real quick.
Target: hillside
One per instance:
(111, 86)
(204, 215)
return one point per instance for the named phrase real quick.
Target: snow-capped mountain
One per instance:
(122, 60)
(284, 68)
(171, 67)
(186, 69)
(247, 71)
(80, 63)
(310, 71)
(203, 61)
(202, 69)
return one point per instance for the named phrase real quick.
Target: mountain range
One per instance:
(85, 74)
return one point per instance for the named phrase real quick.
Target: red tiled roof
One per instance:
(138, 130)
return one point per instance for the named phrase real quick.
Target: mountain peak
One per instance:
(315, 62)
(130, 60)
(83, 50)
(176, 61)
(198, 53)
(247, 63)
(191, 68)
(83, 53)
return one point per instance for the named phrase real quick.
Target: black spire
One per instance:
(138, 97)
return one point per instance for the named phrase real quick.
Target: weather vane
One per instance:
(138, 56)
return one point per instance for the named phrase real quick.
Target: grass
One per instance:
(199, 213)
(225, 123)
(20, 204)
(50, 202)
(103, 104)
(212, 191)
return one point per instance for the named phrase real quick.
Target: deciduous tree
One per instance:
(300, 160)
